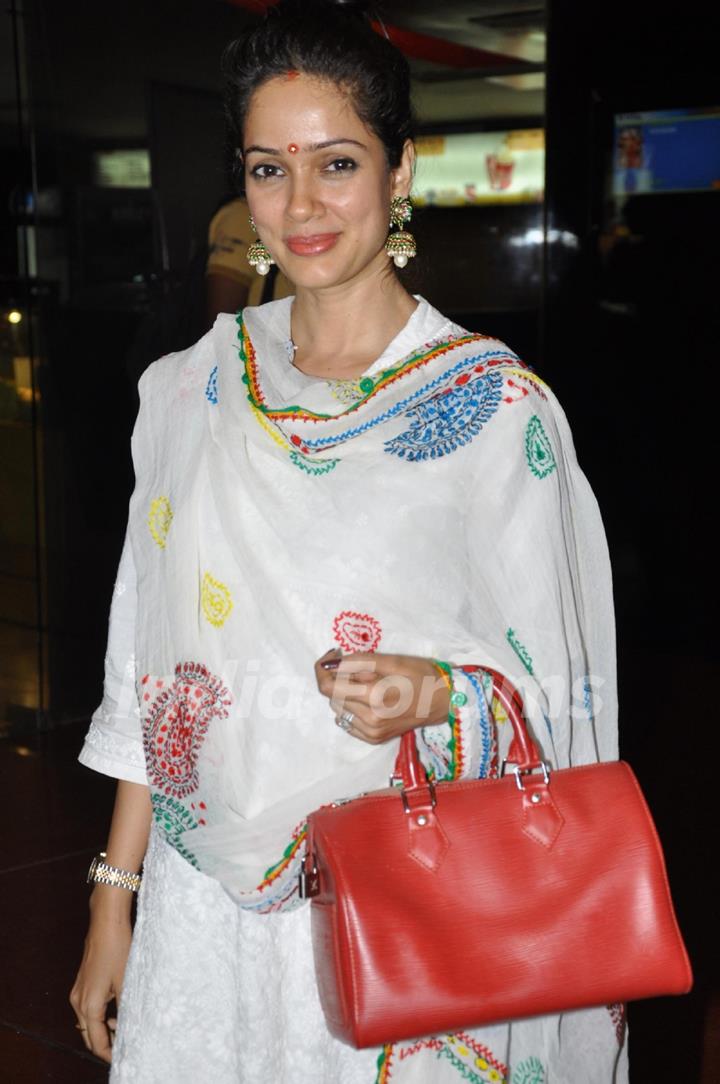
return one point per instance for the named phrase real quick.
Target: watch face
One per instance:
(93, 866)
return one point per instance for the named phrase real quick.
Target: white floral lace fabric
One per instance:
(215, 993)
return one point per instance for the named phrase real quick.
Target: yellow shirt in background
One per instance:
(229, 237)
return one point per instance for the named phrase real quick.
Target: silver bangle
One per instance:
(101, 873)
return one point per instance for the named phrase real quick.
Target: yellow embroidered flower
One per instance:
(216, 601)
(499, 713)
(159, 520)
(481, 1063)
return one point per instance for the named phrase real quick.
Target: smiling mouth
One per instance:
(312, 245)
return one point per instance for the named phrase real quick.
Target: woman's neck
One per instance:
(340, 331)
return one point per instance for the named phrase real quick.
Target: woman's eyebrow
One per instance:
(312, 146)
(334, 143)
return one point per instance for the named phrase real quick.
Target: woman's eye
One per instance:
(262, 172)
(342, 165)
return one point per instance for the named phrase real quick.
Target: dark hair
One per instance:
(329, 39)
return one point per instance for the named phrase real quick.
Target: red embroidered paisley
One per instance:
(357, 632)
(176, 724)
(617, 1015)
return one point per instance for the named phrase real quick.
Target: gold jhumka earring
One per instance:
(258, 255)
(400, 246)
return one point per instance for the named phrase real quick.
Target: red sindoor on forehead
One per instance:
(292, 74)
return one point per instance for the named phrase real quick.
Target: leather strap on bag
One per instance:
(523, 753)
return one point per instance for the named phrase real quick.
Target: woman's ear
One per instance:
(402, 176)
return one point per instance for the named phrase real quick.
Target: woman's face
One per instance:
(318, 183)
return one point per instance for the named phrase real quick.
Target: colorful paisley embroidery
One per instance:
(357, 632)
(448, 420)
(472, 1060)
(538, 449)
(618, 1015)
(176, 724)
(159, 519)
(216, 601)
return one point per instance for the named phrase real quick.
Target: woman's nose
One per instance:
(302, 199)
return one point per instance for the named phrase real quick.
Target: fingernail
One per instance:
(331, 664)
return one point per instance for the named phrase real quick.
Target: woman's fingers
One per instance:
(95, 1034)
(98, 983)
(98, 1037)
(334, 666)
(83, 1029)
(362, 724)
(388, 693)
(366, 724)
(347, 688)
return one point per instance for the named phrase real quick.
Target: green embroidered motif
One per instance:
(184, 852)
(173, 819)
(530, 1071)
(465, 1072)
(538, 449)
(313, 466)
(347, 391)
(171, 815)
(522, 652)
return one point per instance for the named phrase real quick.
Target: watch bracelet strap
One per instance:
(113, 875)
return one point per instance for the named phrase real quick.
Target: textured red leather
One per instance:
(521, 902)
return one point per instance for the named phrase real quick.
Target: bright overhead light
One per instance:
(14, 316)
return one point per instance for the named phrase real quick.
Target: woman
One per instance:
(345, 468)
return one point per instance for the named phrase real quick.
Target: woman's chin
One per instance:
(316, 273)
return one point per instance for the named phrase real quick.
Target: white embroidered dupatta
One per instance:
(434, 508)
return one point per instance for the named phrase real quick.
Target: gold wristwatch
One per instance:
(101, 873)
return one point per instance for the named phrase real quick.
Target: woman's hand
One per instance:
(101, 972)
(386, 694)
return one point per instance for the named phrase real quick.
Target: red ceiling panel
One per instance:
(419, 46)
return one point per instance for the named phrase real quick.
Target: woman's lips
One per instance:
(311, 245)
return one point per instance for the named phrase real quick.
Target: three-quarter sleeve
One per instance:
(113, 744)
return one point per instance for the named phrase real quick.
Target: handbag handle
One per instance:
(523, 752)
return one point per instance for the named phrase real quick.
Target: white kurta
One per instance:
(433, 507)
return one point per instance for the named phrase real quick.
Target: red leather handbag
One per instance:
(440, 908)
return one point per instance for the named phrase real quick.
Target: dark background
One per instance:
(631, 354)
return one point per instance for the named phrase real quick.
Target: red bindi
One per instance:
(293, 148)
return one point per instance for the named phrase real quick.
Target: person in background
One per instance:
(230, 281)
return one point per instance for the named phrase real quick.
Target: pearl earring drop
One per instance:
(400, 245)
